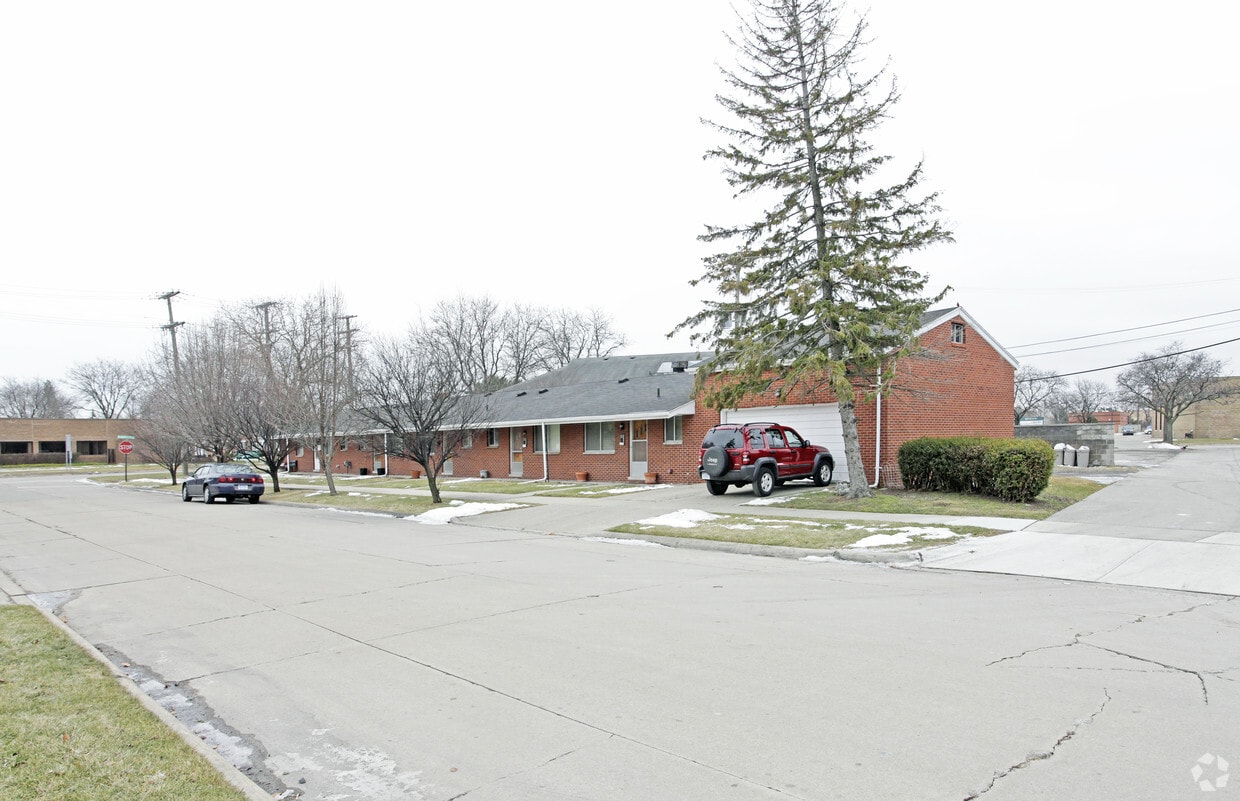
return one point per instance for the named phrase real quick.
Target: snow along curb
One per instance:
(236, 778)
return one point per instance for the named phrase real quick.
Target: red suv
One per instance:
(763, 454)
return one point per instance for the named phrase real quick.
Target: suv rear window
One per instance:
(723, 438)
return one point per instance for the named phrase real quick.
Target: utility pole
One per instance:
(171, 328)
(348, 344)
(265, 308)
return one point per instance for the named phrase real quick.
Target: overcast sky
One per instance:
(1087, 155)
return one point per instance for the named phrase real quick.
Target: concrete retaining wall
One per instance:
(1098, 436)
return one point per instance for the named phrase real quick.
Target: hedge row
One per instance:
(1011, 469)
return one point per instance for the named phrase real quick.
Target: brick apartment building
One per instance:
(621, 418)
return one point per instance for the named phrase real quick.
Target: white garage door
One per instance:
(818, 422)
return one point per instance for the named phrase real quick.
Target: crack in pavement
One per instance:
(1205, 693)
(1040, 756)
(539, 766)
(1077, 639)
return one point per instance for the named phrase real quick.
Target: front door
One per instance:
(637, 449)
(516, 450)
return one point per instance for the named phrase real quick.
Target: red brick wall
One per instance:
(952, 389)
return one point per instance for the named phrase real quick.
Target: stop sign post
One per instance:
(125, 446)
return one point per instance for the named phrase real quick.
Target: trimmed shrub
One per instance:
(1011, 469)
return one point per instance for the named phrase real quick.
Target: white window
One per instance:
(674, 430)
(958, 333)
(492, 437)
(553, 438)
(467, 440)
(601, 437)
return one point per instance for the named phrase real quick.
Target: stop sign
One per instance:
(125, 446)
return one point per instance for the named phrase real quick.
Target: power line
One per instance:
(1127, 364)
(1134, 339)
(1123, 330)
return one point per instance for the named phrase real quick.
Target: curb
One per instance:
(231, 774)
(777, 551)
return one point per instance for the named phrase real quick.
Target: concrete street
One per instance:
(346, 657)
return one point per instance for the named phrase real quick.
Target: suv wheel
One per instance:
(764, 482)
(822, 474)
(716, 487)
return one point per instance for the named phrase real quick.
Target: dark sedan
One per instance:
(227, 481)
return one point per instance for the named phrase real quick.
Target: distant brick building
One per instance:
(1213, 419)
(1116, 419)
(43, 441)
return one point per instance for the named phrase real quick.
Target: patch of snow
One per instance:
(1165, 446)
(1103, 479)
(619, 541)
(771, 501)
(904, 535)
(355, 512)
(684, 518)
(627, 490)
(439, 517)
(148, 481)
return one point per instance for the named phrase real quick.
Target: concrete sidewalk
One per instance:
(1173, 526)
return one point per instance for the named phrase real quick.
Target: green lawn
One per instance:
(799, 533)
(69, 731)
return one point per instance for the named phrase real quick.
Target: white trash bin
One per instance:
(1082, 456)
(1060, 449)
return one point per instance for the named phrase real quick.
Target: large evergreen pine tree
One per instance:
(815, 290)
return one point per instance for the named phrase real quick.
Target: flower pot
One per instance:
(582, 475)
(415, 473)
(652, 478)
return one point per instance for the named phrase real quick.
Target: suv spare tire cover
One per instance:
(715, 461)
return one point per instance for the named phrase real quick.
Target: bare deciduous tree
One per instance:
(110, 388)
(160, 433)
(417, 392)
(567, 334)
(39, 398)
(1035, 389)
(319, 350)
(1171, 380)
(1085, 398)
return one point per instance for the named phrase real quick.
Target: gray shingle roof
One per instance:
(590, 390)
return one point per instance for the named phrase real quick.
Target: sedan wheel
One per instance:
(207, 497)
(185, 493)
(253, 499)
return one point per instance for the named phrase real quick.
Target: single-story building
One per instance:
(637, 418)
(36, 440)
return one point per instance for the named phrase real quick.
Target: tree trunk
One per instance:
(325, 454)
(433, 485)
(857, 487)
